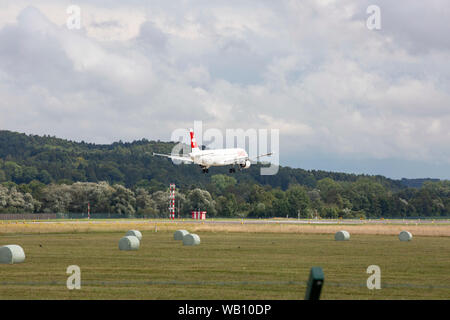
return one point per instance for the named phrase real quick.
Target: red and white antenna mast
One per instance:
(172, 201)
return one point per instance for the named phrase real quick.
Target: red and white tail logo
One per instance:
(194, 145)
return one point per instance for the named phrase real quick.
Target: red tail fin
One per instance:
(194, 145)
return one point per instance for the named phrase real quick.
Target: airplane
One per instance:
(214, 158)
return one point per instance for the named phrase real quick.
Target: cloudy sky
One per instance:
(345, 98)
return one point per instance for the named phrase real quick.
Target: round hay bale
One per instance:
(405, 236)
(134, 233)
(191, 239)
(11, 254)
(342, 236)
(179, 234)
(129, 243)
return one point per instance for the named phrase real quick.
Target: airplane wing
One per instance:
(239, 160)
(174, 157)
(260, 156)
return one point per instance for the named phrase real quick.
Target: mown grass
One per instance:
(218, 268)
(82, 226)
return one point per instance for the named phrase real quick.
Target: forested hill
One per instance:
(24, 158)
(50, 175)
(416, 183)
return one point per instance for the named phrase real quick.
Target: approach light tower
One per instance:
(172, 201)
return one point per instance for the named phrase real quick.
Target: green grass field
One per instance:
(225, 266)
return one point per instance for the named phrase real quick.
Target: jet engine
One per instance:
(246, 165)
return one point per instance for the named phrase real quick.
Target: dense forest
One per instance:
(47, 174)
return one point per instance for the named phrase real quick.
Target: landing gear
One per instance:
(232, 170)
(205, 170)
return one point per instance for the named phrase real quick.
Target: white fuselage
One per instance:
(218, 157)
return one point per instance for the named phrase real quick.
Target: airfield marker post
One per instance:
(315, 283)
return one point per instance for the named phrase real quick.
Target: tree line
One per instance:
(47, 174)
(224, 197)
